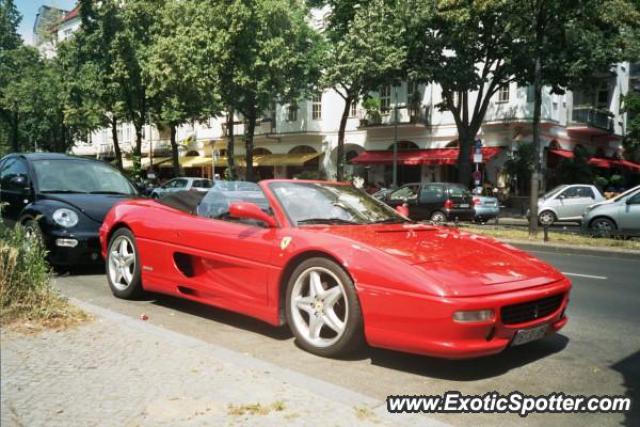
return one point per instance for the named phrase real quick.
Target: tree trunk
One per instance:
(340, 160)
(174, 151)
(137, 150)
(248, 142)
(15, 145)
(537, 168)
(116, 143)
(231, 163)
(465, 145)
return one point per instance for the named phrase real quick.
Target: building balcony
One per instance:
(418, 117)
(591, 120)
(263, 127)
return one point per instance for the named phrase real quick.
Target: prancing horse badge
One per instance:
(285, 242)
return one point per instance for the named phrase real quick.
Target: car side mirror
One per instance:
(629, 201)
(247, 210)
(19, 180)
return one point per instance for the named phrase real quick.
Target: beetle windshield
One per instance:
(80, 176)
(327, 203)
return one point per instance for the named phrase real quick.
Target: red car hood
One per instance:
(464, 264)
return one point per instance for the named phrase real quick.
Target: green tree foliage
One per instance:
(31, 99)
(267, 53)
(180, 89)
(362, 54)
(95, 95)
(467, 47)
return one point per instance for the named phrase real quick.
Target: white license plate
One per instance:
(464, 205)
(524, 336)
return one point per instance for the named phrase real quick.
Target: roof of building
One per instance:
(75, 13)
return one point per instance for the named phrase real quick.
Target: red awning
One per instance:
(433, 156)
(628, 165)
(599, 162)
(567, 154)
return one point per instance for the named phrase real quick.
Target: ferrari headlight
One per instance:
(473, 316)
(65, 217)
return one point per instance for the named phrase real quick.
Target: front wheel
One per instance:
(322, 308)
(547, 218)
(438, 217)
(603, 227)
(123, 265)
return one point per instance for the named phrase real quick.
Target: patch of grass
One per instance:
(554, 237)
(363, 413)
(255, 408)
(28, 302)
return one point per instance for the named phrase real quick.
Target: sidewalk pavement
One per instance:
(120, 371)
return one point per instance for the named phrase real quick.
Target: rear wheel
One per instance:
(123, 265)
(547, 218)
(438, 217)
(322, 308)
(603, 227)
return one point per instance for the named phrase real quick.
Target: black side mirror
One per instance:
(19, 180)
(629, 201)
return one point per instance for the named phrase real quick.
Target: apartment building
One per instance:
(302, 139)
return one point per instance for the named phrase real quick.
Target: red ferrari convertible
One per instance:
(337, 266)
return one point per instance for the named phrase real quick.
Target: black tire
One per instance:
(603, 227)
(547, 218)
(133, 289)
(352, 338)
(438, 217)
(32, 230)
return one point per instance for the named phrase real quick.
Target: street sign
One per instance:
(477, 176)
(478, 144)
(477, 157)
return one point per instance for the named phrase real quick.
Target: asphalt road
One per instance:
(598, 353)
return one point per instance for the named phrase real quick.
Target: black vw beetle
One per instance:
(61, 199)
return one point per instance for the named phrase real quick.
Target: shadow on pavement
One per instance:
(80, 270)
(629, 367)
(220, 315)
(471, 369)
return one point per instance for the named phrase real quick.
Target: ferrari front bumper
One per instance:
(424, 324)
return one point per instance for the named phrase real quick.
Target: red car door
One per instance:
(230, 260)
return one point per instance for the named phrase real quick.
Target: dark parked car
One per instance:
(435, 201)
(62, 200)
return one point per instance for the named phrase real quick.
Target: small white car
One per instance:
(182, 184)
(567, 203)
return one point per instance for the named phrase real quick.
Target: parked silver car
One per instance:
(567, 203)
(486, 208)
(182, 184)
(618, 216)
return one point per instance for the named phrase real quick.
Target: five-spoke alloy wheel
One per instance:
(123, 269)
(322, 308)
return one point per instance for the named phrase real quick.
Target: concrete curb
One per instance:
(572, 249)
(337, 394)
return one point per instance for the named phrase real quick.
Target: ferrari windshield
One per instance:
(80, 176)
(327, 203)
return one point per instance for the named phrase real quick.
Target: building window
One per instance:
(602, 100)
(354, 108)
(385, 98)
(412, 90)
(503, 94)
(292, 113)
(316, 107)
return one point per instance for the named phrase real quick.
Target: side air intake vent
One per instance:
(184, 263)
